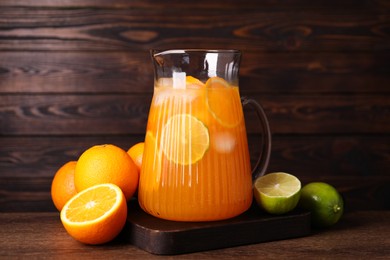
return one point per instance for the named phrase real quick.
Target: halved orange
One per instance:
(95, 215)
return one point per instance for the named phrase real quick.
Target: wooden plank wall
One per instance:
(75, 73)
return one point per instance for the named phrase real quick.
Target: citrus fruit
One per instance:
(184, 139)
(324, 203)
(223, 102)
(193, 82)
(95, 215)
(62, 186)
(106, 164)
(278, 192)
(136, 152)
(217, 82)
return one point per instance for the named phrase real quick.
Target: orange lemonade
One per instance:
(196, 164)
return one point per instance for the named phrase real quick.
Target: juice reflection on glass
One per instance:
(196, 165)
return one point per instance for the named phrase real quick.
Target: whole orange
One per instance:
(62, 186)
(106, 164)
(136, 152)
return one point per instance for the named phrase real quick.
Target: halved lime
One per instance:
(278, 192)
(324, 202)
(184, 139)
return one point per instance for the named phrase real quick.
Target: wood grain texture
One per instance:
(41, 235)
(131, 72)
(164, 237)
(228, 4)
(316, 156)
(74, 73)
(42, 156)
(32, 194)
(127, 114)
(254, 29)
(356, 165)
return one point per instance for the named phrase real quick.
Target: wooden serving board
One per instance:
(164, 237)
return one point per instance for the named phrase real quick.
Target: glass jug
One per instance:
(196, 164)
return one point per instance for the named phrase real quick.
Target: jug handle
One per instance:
(263, 160)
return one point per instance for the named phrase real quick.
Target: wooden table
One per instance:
(360, 235)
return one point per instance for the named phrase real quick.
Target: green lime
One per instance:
(277, 193)
(323, 201)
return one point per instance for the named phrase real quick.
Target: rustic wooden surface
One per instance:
(359, 235)
(164, 237)
(78, 73)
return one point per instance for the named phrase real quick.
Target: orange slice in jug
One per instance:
(193, 82)
(95, 215)
(223, 102)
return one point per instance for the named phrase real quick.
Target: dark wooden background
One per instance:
(75, 73)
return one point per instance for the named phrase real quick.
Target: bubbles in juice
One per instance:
(196, 163)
